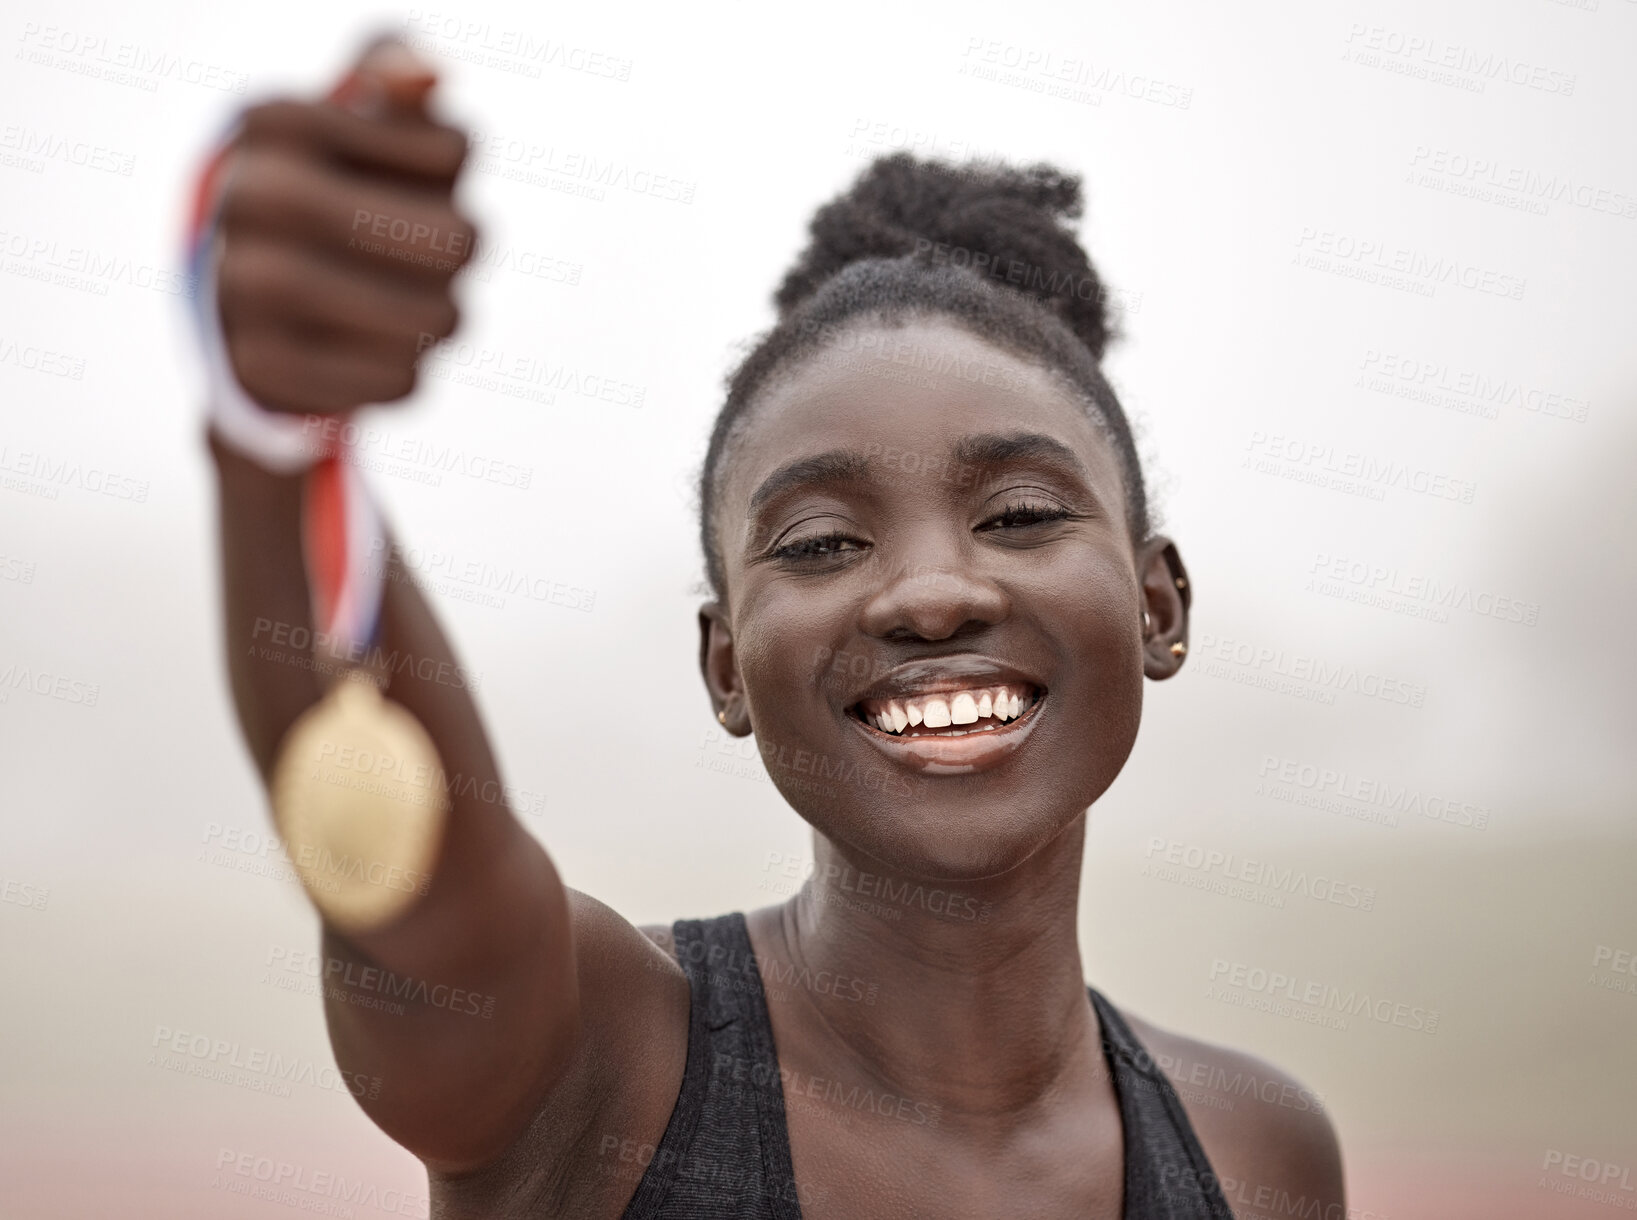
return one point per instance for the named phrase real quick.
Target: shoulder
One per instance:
(618, 1090)
(1269, 1140)
(663, 935)
(608, 947)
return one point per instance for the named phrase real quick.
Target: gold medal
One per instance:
(359, 800)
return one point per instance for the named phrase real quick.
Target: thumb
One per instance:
(388, 80)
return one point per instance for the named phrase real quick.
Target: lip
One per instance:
(937, 675)
(966, 755)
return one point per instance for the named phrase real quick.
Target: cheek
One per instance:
(1095, 598)
(784, 655)
(1103, 638)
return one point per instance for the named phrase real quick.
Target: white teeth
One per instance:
(997, 705)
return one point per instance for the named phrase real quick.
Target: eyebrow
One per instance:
(995, 449)
(840, 466)
(820, 470)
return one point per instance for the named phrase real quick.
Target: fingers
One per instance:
(341, 239)
(395, 144)
(388, 78)
(381, 227)
(275, 282)
(308, 372)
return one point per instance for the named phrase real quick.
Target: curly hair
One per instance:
(987, 246)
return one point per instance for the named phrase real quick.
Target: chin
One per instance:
(941, 836)
(973, 811)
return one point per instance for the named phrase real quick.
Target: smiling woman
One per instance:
(935, 597)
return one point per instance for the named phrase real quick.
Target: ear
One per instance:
(719, 669)
(1166, 595)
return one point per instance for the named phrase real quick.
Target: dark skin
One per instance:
(1017, 552)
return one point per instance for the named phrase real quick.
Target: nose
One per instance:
(934, 597)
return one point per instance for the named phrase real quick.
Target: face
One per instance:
(935, 612)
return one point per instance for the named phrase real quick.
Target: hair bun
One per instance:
(1007, 224)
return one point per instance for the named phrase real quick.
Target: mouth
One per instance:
(956, 716)
(950, 713)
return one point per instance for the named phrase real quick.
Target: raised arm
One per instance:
(324, 309)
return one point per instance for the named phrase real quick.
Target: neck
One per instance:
(974, 993)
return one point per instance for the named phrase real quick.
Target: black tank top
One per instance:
(725, 1154)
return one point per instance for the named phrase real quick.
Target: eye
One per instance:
(1022, 514)
(818, 547)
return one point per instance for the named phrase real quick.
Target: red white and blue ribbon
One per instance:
(343, 535)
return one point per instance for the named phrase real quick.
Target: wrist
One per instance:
(281, 444)
(232, 461)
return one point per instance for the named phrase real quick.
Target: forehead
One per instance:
(919, 388)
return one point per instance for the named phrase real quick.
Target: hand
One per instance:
(341, 239)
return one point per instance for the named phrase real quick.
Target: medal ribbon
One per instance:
(343, 536)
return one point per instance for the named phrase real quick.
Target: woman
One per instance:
(935, 599)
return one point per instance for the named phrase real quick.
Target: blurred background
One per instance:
(1374, 265)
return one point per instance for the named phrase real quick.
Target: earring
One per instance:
(1182, 582)
(722, 717)
(1178, 649)
(1147, 623)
